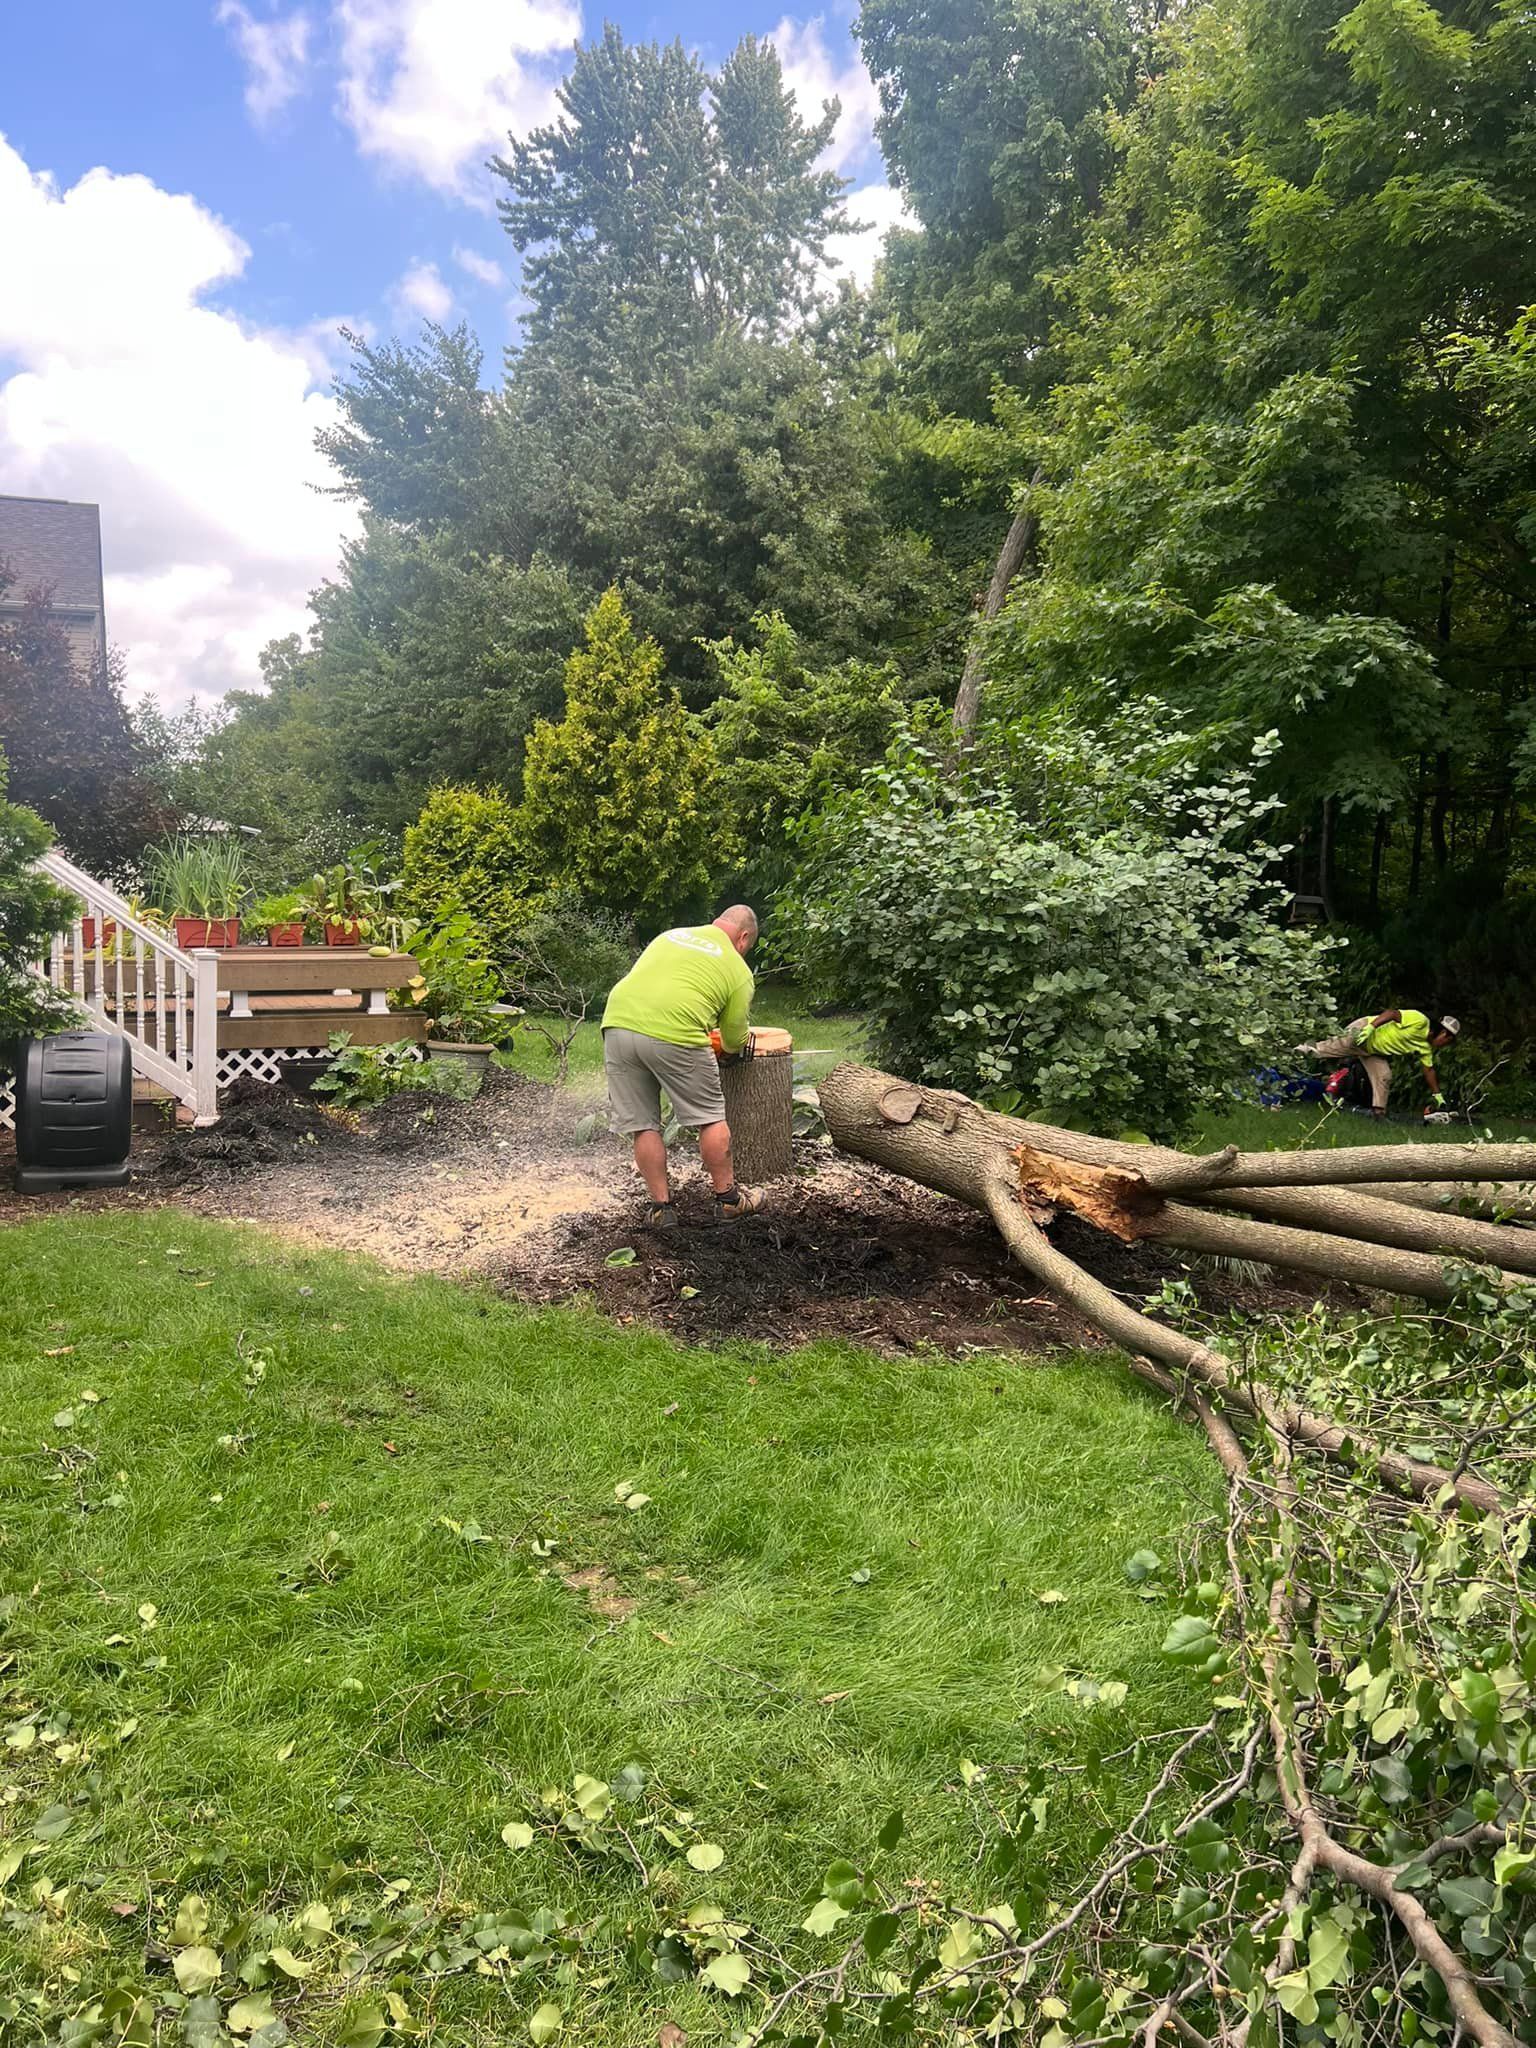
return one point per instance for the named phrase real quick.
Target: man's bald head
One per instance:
(739, 924)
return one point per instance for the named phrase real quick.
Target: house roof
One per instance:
(53, 542)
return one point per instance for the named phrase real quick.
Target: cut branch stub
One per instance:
(900, 1104)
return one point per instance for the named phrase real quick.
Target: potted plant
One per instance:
(88, 932)
(460, 994)
(348, 899)
(281, 917)
(199, 884)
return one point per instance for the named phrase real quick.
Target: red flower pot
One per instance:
(207, 931)
(285, 934)
(88, 932)
(343, 932)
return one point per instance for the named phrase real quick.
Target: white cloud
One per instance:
(479, 267)
(423, 292)
(878, 209)
(431, 87)
(194, 432)
(816, 70)
(276, 53)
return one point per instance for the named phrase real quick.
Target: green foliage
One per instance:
(622, 800)
(32, 909)
(469, 851)
(1073, 914)
(565, 949)
(359, 1076)
(793, 736)
(458, 988)
(353, 891)
(197, 875)
(668, 205)
(281, 906)
(75, 754)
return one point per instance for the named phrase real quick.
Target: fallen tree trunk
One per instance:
(951, 1144)
(1410, 1226)
(1514, 1201)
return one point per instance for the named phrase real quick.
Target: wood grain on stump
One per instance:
(759, 1107)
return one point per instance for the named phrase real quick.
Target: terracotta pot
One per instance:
(343, 932)
(88, 932)
(207, 931)
(285, 934)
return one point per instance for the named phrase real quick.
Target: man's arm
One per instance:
(1387, 1017)
(733, 1018)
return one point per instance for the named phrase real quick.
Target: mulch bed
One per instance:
(843, 1250)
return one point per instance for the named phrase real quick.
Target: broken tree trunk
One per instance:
(1018, 543)
(1001, 1166)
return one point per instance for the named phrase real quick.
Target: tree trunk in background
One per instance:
(1325, 862)
(759, 1107)
(1378, 847)
(1018, 544)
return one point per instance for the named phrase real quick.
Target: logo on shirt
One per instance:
(696, 942)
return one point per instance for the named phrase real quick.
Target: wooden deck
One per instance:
(288, 997)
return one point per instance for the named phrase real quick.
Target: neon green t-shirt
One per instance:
(687, 983)
(1409, 1035)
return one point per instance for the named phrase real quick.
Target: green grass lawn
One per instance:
(284, 1545)
(820, 1042)
(1268, 1130)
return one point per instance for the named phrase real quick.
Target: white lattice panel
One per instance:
(265, 1062)
(7, 1106)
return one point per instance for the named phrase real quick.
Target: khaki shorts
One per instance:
(638, 1068)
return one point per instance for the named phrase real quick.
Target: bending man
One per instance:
(1376, 1041)
(685, 1000)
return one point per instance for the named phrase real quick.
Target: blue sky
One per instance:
(195, 194)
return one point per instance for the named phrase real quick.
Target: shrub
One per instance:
(32, 909)
(793, 736)
(467, 852)
(1081, 917)
(565, 948)
(622, 799)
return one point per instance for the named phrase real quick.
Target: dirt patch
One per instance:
(602, 1592)
(500, 1189)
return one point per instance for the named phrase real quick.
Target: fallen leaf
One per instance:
(393, 1449)
(671, 2036)
(1050, 1597)
(671, 1409)
(830, 1699)
(197, 1970)
(661, 1634)
(517, 1835)
(59, 1351)
(706, 1856)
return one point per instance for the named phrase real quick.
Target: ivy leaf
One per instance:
(197, 1969)
(364, 2029)
(824, 1916)
(1190, 1639)
(249, 2014)
(729, 1973)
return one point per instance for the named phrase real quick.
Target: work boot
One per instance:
(661, 1216)
(736, 1203)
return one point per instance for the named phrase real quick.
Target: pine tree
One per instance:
(621, 798)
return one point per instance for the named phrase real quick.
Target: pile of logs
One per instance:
(1400, 1217)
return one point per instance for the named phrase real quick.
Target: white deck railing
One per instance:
(138, 981)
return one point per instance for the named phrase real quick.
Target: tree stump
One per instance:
(759, 1107)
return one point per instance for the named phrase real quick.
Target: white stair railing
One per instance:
(137, 981)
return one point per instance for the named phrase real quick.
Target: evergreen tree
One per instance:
(622, 799)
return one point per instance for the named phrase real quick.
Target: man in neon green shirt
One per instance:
(1377, 1041)
(679, 1010)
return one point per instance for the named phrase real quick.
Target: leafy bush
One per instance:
(467, 851)
(622, 800)
(32, 909)
(568, 947)
(1084, 917)
(361, 1075)
(457, 988)
(793, 736)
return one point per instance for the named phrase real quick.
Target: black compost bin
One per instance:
(74, 1111)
